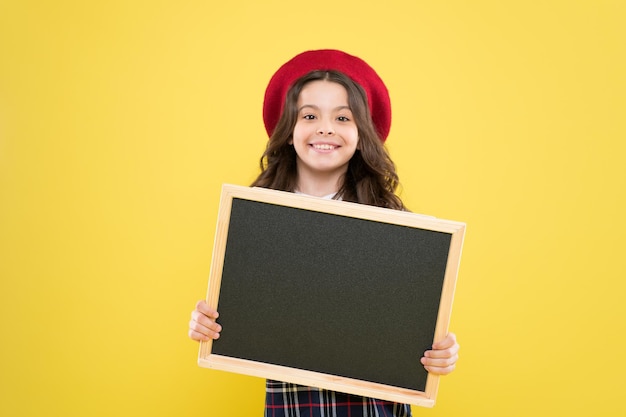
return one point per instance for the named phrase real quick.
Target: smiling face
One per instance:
(325, 136)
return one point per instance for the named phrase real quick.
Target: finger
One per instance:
(204, 321)
(440, 371)
(439, 363)
(200, 337)
(446, 342)
(439, 366)
(443, 353)
(204, 308)
(198, 331)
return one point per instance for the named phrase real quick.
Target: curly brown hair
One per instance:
(371, 177)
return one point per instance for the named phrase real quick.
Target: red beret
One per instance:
(328, 59)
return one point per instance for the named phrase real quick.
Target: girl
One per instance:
(328, 115)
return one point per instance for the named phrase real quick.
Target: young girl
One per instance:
(328, 115)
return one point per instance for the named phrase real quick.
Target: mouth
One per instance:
(323, 146)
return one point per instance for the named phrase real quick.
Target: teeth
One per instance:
(324, 147)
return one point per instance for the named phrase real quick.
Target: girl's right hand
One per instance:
(202, 326)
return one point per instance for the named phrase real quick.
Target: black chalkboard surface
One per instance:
(330, 294)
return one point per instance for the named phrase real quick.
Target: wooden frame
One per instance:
(454, 231)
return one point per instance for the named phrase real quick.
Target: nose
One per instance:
(325, 130)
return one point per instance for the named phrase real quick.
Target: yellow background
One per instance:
(119, 121)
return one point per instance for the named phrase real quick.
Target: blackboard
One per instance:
(330, 294)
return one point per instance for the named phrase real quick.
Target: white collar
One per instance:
(325, 197)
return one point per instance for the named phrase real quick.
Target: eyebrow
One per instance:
(317, 108)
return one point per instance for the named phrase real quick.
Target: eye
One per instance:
(308, 117)
(343, 119)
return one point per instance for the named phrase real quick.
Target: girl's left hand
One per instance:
(441, 360)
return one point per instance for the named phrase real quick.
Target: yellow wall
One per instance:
(120, 120)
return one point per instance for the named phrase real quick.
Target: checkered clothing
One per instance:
(291, 400)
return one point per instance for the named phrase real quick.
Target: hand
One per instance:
(441, 360)
(202, 326)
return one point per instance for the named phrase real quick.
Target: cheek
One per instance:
(298, 132)
(350, 133)
(301, 132)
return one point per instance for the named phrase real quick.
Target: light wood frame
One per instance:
(424, 398)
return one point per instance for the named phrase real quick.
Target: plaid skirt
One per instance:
(291, 400)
